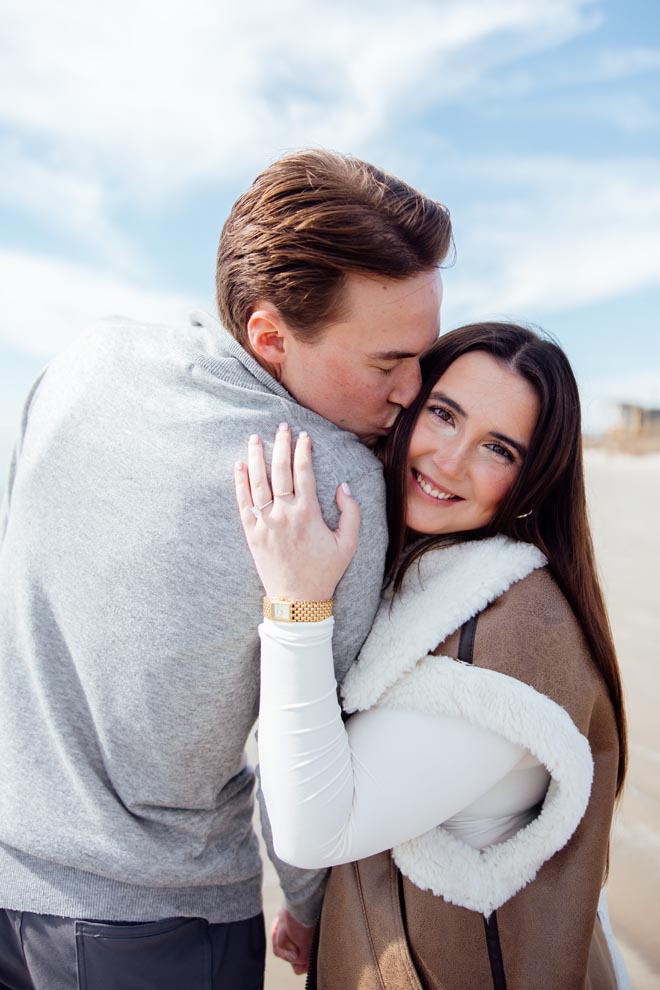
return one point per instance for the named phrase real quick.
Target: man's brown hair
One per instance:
(310, 219)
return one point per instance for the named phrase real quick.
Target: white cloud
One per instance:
(603, 66)
(549, 235)
(630, 112)
(555, 234)
(62, 198)
(174, 92)
(624, 63)
(590, 89)
(45, 303)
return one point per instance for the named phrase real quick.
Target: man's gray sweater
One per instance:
(129, 607)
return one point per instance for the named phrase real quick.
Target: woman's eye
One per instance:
(386, 371)
(440, 412)
(501, 451)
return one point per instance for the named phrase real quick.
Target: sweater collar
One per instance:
(228, 346)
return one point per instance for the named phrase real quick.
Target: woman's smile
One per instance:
(433, 490)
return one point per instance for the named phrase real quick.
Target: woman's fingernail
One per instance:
(282, 427)
(254, 438)
(302, 434)
(238, 465)
(345, 487)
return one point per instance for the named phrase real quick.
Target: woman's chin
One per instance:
(419, 527)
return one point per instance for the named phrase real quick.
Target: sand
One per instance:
(624, 500)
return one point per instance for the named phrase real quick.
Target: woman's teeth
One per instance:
(430, 490)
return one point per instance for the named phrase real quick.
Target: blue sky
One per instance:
(127, 130)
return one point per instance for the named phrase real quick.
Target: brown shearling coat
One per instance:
(380, 931)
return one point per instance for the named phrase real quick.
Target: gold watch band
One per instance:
(295, 610)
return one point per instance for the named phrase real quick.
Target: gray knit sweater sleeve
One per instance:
(7, 490)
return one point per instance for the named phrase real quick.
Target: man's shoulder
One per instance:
(118, 342)
(203, 382)
(124, 336)
(338, 452)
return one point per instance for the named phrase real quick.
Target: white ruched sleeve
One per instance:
(338, 791)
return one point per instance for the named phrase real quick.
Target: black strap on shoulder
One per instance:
(466, 654)
(495, 952)
(311, 982)
(466, 640)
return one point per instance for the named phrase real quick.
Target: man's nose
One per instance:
(407, 385)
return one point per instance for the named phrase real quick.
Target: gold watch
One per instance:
(296, 610)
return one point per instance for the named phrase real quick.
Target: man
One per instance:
(129, 603)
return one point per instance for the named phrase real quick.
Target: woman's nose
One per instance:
(451, 459)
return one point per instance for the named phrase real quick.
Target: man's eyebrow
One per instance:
(392, 355)
(442, 397)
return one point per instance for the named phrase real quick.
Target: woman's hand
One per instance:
(297, 556)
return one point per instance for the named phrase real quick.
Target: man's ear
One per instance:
(267, 333)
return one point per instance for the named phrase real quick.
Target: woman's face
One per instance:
(468, 445)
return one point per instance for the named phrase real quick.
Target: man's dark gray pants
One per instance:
(43, 952)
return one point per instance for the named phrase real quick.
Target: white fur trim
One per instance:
(450, 586)
(483, 880)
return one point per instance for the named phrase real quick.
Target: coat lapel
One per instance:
(449, 586)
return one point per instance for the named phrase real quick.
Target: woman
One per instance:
(466, 807)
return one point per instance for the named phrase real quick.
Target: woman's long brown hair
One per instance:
(550, 482)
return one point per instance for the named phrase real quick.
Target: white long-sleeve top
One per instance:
(339, 791)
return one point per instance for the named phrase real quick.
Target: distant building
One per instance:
(638, 429)
(636, 420)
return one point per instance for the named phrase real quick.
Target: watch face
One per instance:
(282, 611)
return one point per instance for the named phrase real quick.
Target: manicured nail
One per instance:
(282, 427)
(254, 438)
(345, 487)
(238, 465)
(302, 435)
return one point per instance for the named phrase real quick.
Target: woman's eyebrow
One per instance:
(519, 447)
(443, 397)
